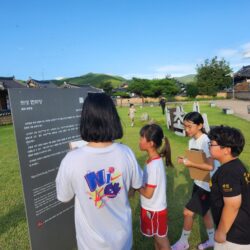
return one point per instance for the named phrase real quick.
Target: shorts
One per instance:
(200, 201)
(154, 222)
(230, 246)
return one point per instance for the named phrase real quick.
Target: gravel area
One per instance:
(238, 106)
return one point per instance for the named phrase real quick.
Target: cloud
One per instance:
(246, 50)
(59, 77)
(144, 76)
(177, 69)
(237, 54)
(227, 53)
(237, 58)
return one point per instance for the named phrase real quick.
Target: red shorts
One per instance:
(154, 222)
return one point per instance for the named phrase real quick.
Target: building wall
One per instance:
(241, 95)
(135, 101)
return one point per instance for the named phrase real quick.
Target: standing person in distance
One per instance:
(230, 190)
(162, 103)
(99, 176)
(199, 203)
(131, 114)
(153, 193)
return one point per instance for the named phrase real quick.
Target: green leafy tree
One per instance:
(154, 88)
(106, 86)
(121, 94)
(139, 87)
(212, 76)
(192, 90)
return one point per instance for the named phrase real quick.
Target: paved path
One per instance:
(239, 107)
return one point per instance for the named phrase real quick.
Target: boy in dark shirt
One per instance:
(230, 190)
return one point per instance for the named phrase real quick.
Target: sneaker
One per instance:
(179, 245)
(205, 245)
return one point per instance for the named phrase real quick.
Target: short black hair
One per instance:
(228, 137)
(194, 117)
(100, 121)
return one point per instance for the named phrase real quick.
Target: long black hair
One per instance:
(154, 133)
(100, 121)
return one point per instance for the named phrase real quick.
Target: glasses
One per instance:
(211, 145)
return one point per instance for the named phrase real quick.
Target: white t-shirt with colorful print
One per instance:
(154, 175)
(100, 178)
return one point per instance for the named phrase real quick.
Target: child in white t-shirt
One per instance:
(99, 176)
(153, 193)
(131, 114)
(199, 203)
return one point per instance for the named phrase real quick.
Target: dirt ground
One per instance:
(239, 107)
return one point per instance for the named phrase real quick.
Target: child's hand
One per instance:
(184, 161)
(180, 159)
(220, 237)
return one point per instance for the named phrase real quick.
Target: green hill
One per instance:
(93, 79)
(186, 79)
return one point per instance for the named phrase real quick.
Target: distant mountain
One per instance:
(93, 79)
(186, 79)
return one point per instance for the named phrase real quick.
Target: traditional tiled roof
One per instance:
(32, 83)
(87, 87)
(9, 82)
(243, 72)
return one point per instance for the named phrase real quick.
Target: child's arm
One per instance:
(209, 165)
(229, 213)
(147, 191)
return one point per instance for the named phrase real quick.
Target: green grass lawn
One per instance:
(13, 226)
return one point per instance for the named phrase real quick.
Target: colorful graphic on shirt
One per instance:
(103, 185)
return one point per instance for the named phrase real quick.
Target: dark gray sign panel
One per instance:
(45, 121)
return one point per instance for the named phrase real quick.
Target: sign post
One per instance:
(45, 121)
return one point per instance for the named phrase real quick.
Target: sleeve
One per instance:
(137, 174)
(230, 184)
(205, 147)
(151, 172)
(64, 187)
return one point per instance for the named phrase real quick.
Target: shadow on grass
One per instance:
(139, 241)
(177, 198)
(12, 218)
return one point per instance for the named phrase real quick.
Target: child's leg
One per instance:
(161, 243)
(182, 243)
(188, 219)
(208, 221)
(132, 121)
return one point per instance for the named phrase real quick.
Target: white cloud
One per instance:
(246, 50)
(227, 53)
(166, 70)
(177, 69)
(144, 76)
(59, 77)
(237, 58)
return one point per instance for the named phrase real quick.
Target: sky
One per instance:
(52, 39)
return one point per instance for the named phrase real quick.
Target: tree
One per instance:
(212, 76)
(154, 88)
(192, 90)
(106, 86)
(139, 86)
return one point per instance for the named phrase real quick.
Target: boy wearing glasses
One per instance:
(230, 190)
